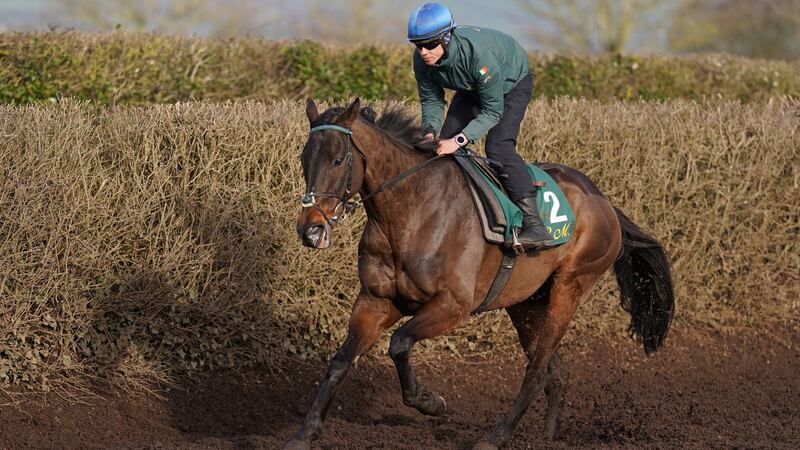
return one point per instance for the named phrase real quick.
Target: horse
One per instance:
(422, 254)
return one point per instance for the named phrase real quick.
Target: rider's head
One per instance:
(429, 28)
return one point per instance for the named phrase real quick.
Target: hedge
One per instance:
(123, 68)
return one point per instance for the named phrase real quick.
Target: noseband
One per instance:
(309, 198)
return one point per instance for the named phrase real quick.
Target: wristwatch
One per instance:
(461, 140)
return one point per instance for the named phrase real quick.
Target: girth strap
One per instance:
(500, 280)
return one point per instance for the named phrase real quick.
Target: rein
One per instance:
(309, 198)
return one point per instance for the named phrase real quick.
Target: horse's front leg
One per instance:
(441, 314)
(369, 318)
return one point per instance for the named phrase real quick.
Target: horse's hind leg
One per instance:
(541, 326)
(528, 318)
(555, 389)
(431, 320)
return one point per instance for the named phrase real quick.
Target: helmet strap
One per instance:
(446, 42)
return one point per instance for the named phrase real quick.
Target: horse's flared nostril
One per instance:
(312, 235)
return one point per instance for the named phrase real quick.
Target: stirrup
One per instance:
(516, 245)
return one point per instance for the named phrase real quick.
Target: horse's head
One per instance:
(333, 168)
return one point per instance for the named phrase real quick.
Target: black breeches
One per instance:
(501, 141)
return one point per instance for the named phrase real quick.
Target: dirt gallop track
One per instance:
(701, 391)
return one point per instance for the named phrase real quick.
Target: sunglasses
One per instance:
(430, 45)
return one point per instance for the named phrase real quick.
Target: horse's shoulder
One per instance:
(375, 264)
(374, 238)
(374, 248)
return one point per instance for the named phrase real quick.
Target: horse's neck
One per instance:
(387, 159)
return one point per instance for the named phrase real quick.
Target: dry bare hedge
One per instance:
(143, 242)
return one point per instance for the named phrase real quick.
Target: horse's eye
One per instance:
(337, 162)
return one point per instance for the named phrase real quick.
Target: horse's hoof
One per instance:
(550, 432)
(297, 444)
(432, 405)
(484, 445)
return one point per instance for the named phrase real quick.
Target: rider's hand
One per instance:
(428, 138)
(447, 146)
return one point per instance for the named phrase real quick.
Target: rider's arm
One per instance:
(489, 84)
(431, 96)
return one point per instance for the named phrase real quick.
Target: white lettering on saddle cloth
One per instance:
(556, 231)
(550, 197)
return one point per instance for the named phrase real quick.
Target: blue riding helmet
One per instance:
(429, 21)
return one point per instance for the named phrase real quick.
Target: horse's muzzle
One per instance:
(316, 236)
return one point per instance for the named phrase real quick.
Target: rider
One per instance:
(490, 73)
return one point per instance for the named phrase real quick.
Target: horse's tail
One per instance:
(645, 283)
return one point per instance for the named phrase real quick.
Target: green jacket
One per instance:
(478, 59)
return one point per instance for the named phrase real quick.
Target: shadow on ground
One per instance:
(701, 390)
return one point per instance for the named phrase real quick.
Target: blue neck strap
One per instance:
(331, 127)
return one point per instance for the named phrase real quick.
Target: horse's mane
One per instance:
(394, 121)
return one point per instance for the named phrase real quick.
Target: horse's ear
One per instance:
(311, 110)
(350, 115)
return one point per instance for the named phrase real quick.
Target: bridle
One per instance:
(309, 199)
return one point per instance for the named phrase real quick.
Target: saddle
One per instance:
(500, 217)
(479, 172)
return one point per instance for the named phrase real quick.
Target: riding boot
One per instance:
(533, 234)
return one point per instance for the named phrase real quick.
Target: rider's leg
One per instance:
(501, 145)
(534, 234)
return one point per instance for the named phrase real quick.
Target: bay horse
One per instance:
(422, 254)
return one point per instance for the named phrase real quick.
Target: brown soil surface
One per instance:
(700, 391)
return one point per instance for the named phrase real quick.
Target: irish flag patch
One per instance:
(484, 70)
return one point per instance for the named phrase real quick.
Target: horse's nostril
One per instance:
(312, 235)
(314, 231)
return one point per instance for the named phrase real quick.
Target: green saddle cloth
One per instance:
(554, 209)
